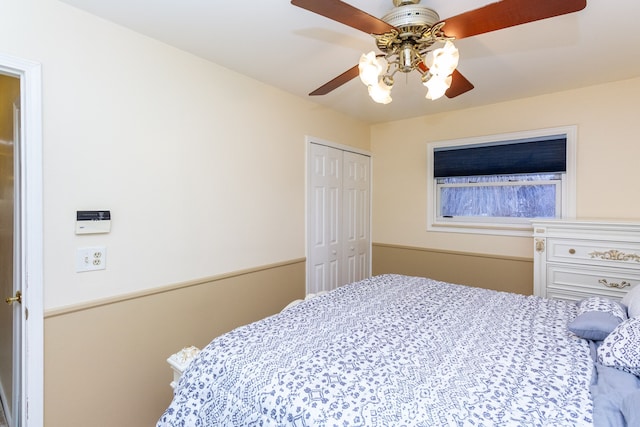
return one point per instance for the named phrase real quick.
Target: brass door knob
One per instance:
(17, 298)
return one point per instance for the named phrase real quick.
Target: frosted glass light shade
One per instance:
(371, 68)
(437, 86)
(443, 61)
(380, 93)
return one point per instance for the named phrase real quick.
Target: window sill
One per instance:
(521, 229)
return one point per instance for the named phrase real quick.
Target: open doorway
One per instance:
(9, 315)
(21, 242)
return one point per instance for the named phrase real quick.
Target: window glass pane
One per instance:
(521, 196)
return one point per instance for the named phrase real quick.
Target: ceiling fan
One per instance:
(406, 35)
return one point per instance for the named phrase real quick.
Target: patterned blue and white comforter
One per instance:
(394, 351)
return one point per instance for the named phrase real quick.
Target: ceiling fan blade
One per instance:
(343, 78)
(459, 85)
(345, 14)
(507, 13)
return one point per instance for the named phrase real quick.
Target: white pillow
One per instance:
(621, 348)
(632, 301)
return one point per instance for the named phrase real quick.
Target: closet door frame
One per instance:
(308, 200)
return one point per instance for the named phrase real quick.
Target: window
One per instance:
(497, 184)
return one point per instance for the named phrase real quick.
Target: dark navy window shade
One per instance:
(514, 157)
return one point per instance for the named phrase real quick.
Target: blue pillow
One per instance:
(597, 317)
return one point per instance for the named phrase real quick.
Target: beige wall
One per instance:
(105, 363)
(203, 169)
(607, 158)
(501, 273)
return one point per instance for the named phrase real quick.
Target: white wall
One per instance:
(607, 162)
(202, 168)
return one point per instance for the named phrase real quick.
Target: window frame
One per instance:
(495, 225)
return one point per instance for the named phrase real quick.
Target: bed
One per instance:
(396, 350)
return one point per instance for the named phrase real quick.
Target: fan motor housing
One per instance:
(409, 17)
(412, 24)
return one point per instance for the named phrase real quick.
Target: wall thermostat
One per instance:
(93, 222)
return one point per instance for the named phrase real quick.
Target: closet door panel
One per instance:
(325, 218)
(357, 242)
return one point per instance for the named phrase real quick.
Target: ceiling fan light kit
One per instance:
(407, 34)
(406, 48)
(377, 72)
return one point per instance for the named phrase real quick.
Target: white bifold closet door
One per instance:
(339, 237)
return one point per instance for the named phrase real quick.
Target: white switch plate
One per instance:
(90, 259)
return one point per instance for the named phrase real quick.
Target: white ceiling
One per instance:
(297, 51)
